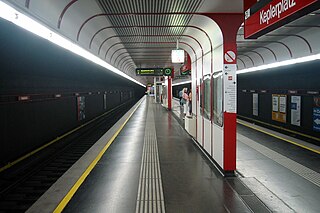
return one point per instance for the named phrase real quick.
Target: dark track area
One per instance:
(22, 184)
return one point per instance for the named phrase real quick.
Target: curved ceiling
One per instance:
(141, 33)
(296, 39)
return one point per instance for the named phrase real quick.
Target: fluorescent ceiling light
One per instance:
(184, 82)
(9, 13)
(281, 64)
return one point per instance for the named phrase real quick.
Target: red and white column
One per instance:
(229, 24)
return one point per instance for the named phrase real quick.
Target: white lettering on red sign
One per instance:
(276, 10)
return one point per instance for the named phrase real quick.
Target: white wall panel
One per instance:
(199, 127)
(207, 135)
(217, 144)
(193, 88)
(199, 68)
(218, 58)
(207, 64)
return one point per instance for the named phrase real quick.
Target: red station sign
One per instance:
(262, 18)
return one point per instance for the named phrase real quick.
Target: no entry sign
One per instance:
(230, 56)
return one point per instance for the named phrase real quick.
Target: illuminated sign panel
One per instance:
(185, 70)
(263, 18)
(177, 56)
(153, 71)
(167, 71)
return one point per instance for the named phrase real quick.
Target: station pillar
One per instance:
(248, 3)
(169, 93)
(229, 24)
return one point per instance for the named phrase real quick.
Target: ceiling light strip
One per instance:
(180, 83)
(9, 13)
(281, 64)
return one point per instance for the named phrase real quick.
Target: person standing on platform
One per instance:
(185, 98)
(180, 96)
(190, 104)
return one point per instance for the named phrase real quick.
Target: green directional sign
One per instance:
(167, 71)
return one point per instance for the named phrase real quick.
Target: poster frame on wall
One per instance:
(255, 104)
(316, 114)
(279, 108)
(295, 110)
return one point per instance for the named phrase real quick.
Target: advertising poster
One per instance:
(81, 106)
(255, 104)
(279, 108)
(104, 101)
(316, 113)
(296, 110)
(275, 103)
(283, 103)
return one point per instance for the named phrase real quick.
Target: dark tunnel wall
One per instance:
(295, 80)
(51, 79)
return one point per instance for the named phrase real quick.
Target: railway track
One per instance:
(23, 184)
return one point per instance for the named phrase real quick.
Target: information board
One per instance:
(275, 103)
(153, 71)
(296, 110)
(230, 88)
(283, 103)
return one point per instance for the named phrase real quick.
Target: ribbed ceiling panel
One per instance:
(150, 21)
(149, 6)
(149, 39)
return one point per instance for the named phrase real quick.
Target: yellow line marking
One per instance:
(79, 182)
(10, 164)
(282, 128)
(278, 137)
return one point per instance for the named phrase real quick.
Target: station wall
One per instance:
(40, 87)
(300, 80)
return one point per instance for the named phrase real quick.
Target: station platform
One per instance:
(282, 171)
(149, 163)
